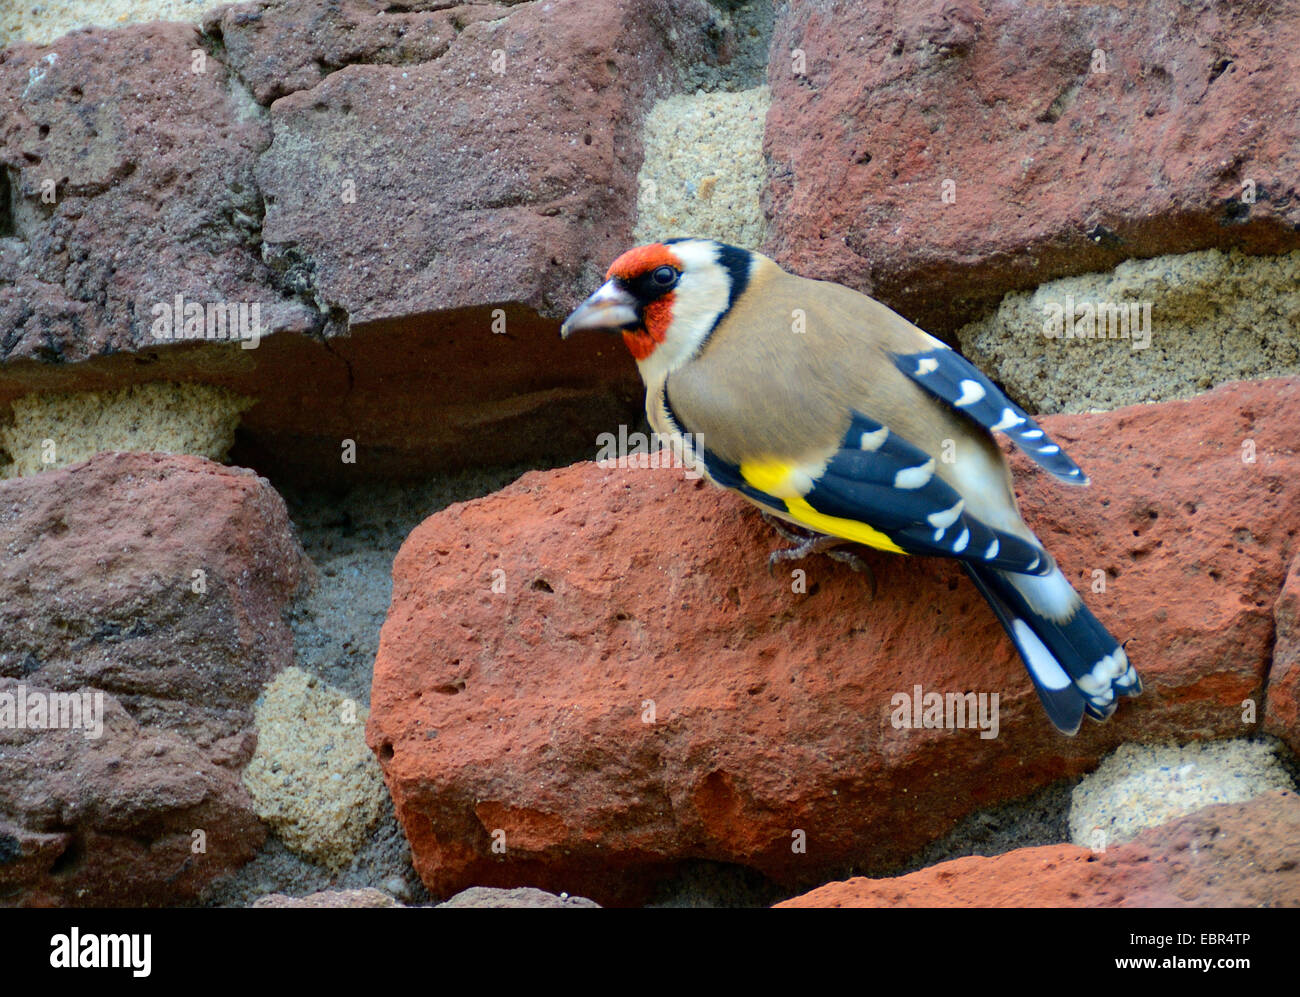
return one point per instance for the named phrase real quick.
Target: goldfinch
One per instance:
(828, 410)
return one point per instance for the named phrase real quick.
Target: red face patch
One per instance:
(642, 260)
(658, 313)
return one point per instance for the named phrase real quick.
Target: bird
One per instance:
(831, 412)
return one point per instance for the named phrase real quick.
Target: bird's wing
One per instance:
(955, 380)
(877, 489)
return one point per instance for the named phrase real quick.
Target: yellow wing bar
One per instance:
(790, 483)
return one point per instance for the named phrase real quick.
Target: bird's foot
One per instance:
(857, 562)
(815, 543)
(803, 546)
(782, 527)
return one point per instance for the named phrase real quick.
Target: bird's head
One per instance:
(665, 297)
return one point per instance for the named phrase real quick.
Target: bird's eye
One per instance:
(664, 276)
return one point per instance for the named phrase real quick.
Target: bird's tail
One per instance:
(1076, 665)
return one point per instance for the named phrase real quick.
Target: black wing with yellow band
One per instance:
(879, 490)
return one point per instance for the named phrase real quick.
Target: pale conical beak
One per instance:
(611, 308)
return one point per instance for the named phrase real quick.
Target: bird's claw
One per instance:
(803, 546)
(857, 562)
(815, 543)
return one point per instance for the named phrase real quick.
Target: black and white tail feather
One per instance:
(1076, 666)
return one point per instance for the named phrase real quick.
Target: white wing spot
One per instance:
(927, 365)
(1053, 448)
(876, 440)
(942, 520)
(1009, 420)
(1031, 434)
(992, 552)
(971, 393)
(962, 541)
(911, 478)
